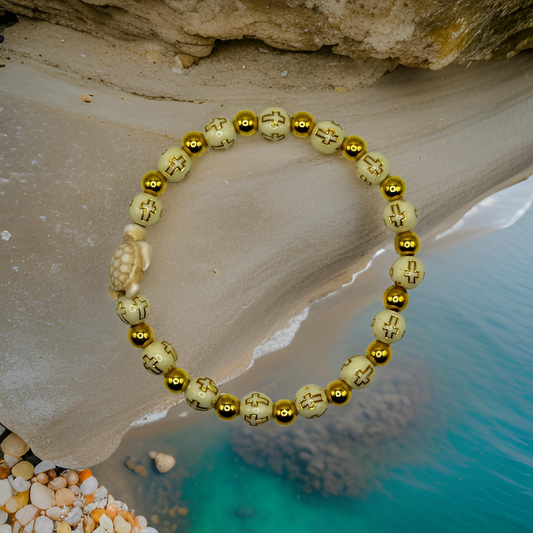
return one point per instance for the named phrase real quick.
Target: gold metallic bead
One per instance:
(395, 298)
(141, 335)
(407, 243)
(227, 407)
(353, 147)
(302, 124)
(379, 353)
(246, 122)
(284, 412)
(154, 183)
(338, 392)
(176, 380)
(392, 188)
(194, 143)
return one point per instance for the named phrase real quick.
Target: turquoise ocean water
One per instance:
(465, 465)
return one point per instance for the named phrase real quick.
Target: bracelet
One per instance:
(131, 259)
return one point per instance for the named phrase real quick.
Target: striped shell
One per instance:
(124, 264)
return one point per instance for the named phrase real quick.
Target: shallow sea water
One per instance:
(465, 463)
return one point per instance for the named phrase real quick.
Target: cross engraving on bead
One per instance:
(122, 310)
(169, 349)
(390, 328)
(254, 421)
(375, 166)
(141, 306)
(398, 216)
(138, 304)
(195, 404)
(207, 384)
(224, 144)
(255, 399)
(274, 136)
(348, 361)
(309, 401)
(149, 208)
(175, 163)
(216, 123)
(411, 273)
(327, 136)
(275, 118)
(363, 376)
(150, 363)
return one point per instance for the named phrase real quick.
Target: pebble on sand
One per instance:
(121, 525)
(163, 461)
(26, 514)
(54, 512)
(64, 497)
(42, 497)
(24, 469)
(89, 486)
(138, 469)
(72, 478)
(74, 516)
(11, 460)
(44, 466)
(106, 523)
(14, 445)
(20, 484)
(64, 527)
(58, 483)
(42, 478)
(43, 524)
(6, 491)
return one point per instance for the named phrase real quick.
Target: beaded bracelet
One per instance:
(132, 258)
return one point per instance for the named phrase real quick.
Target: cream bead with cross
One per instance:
(146, 209)
(327, 137)
(175, 163)
(358, 372)
(388, 326)
(220, 133)
(400, 216)
(256, 408)
(311, 401)
(202, 393)
(133, 310)
(274, 124)
(159, 357)
(407, 271)
(373, 168)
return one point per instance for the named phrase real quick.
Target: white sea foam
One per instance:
(497, 211)
(148, 419)
(282, 337)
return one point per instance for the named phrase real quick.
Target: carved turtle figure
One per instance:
(129, 262)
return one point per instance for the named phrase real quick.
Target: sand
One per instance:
(246, 242)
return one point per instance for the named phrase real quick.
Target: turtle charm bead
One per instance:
(129, 262)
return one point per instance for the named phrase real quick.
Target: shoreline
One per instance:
(286, 343)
